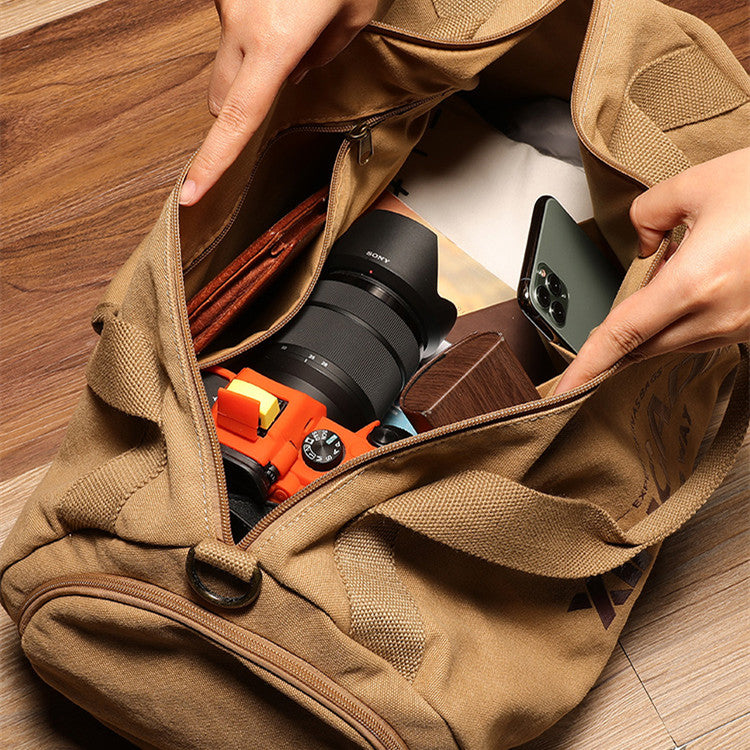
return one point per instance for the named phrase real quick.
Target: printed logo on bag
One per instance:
(604, 599)
(661, 414)
(661, 426)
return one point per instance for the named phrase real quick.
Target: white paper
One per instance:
(478, 187)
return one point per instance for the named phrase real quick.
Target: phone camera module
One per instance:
(542, 295)
(554, 284)
(558, 313)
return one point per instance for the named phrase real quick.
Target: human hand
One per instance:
(264, 42)
(700, 298)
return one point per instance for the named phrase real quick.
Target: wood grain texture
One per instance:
(731, 736)
(476, 375)
(686, 641)
(99, 112)
(21, 15)
(616, 713)
(730, 18)
(698, 595)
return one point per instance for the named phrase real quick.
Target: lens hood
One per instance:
(401, 256)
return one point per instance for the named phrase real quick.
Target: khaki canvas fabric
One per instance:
(462, 589)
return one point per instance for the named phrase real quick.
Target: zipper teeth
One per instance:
(485, 419)
(427, 437)
(422, 438)
(250, 642)
(336, 127)
(216, 448)
(225, 530)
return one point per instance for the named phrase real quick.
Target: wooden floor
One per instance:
(100, 110)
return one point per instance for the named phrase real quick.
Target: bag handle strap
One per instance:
(124, 369)
(125, 372)
(518, 527)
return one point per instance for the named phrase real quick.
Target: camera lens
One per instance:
(558, 313)
(542, 294)
(361, 334)
(554, 284)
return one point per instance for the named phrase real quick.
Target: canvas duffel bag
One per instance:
(461, 588)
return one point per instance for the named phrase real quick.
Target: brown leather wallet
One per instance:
(225, 296)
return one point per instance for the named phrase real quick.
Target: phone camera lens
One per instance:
(542, 295)
(554, 284)
(558, 313)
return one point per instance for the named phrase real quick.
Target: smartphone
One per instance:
(567, 284)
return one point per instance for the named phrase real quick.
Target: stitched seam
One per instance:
(423, 633)
(396, 578)
(50, 496)
(717, 110)
(158, 468)
(360, 473)
(337, 561)
(306, 510)
(598, 59)
(654, 63)
(170, 304)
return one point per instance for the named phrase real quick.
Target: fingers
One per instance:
(698, 301)
(655, 212)
(636, 320)
(248, 100)
(684, 335)
(262, 43)
(334, 39)
(227, 65)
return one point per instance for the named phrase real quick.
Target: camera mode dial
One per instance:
(322, 450)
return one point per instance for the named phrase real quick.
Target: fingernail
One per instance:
(187, 192)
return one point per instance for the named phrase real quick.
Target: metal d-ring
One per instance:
(229, 602)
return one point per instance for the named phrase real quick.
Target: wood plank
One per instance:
(14, 493)
(689, 637)
(731, 736)
(615, 714)
(101, 111)
(21, 15)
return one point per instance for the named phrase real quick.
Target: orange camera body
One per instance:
(283, 430)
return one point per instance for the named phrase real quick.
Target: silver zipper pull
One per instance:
(362, 136)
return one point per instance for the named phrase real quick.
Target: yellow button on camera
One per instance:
(269, 404)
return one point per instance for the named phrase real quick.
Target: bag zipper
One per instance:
(255, 648)
(358, 131)
(503, 415)
(375, 454)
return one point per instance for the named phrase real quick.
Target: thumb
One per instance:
(655, 212)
